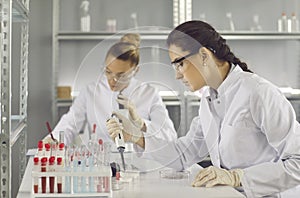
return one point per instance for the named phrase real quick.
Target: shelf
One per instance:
(145, 35)
(162, 35)
(64, 102)
(18, 123)
(246, 35)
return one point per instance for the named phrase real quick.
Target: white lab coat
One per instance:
(96, 102)
(246, 123)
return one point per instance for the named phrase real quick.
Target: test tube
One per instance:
(59, 178)
(68, 162)
(100, 184)
(40, 149)
(47, 149)
(100, 153)
(61, 137)
(51, 178)
(91, 168)
(44, 169)
(106, 153)
(106, 184)
(36, 179)
(76, 162)
(61, 150)
(53, 148)
(83, 166)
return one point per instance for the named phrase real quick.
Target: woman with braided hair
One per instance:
(245, 123)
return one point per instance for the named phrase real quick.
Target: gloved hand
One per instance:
(212, 176)
(49, 140)
(130, 132)
(134, 116)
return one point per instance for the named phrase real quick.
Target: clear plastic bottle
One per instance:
(231, 24)
(294, 23)
(256, 26)
(282, 24)
(85, 20)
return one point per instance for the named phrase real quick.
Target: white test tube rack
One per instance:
(102, 172)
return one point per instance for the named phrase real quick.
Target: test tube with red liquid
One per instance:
(59, 178)
(44, 169)
(40, 149)
(47, 149)
(51, 169)
(36, 179)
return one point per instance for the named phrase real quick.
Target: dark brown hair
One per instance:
(192, 35)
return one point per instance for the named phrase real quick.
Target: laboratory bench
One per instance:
(149, 184)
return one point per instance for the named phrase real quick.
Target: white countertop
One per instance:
(150, 185)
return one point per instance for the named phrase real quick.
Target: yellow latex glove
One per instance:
(134, 116)
(212, 176)
(130, 132)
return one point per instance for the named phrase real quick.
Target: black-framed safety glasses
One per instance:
(178, 63)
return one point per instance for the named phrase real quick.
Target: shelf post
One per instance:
(5, 126)
(23, 97)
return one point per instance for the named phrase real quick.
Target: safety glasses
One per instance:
(178, 63)
(122, 77)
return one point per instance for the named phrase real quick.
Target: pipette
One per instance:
(119, 140)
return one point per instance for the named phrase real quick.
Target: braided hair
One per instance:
(193, 35)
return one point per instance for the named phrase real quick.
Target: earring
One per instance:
(204, 64)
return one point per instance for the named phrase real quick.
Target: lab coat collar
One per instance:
(229, 80)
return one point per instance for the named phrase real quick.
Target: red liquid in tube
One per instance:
(59, 178)
(43, 169)
(51, 178)
(36, 179)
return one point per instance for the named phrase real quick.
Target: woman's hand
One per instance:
(212, 176)
(134, 116)
(130, 132)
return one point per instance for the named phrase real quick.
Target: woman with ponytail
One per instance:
(245, 124)
(117, 88)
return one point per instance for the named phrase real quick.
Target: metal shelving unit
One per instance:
(13, 127)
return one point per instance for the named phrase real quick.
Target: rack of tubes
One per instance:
(73, 183)
(80, 171)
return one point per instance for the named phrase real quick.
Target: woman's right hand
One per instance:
(130, 132)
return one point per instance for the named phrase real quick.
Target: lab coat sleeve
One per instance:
(275, 116)
(160, 124)
(72, 122)
(181, 153)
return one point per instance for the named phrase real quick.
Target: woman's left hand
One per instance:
(212, 176)
(134, 116)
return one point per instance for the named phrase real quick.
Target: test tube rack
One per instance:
(71, 183)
